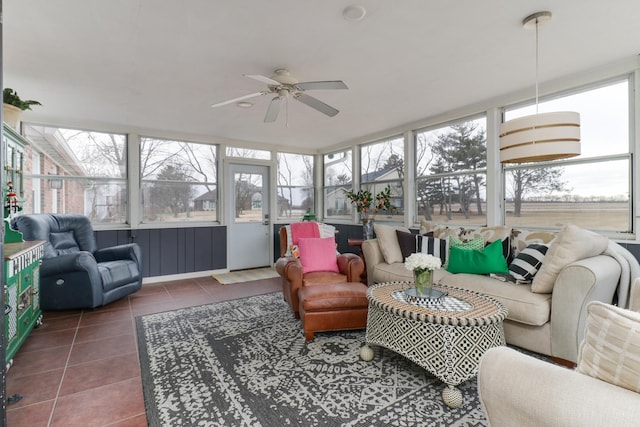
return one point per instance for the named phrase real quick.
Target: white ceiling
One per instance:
(156, 66)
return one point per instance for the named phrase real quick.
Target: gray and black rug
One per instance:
(246, 363)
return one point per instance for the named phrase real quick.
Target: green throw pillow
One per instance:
(477, 243)
(483, 261)
(454, 242)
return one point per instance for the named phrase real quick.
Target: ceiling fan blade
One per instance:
(333, 84)
(316, 104)
(263, 79)
(274, 109)
(241, 98)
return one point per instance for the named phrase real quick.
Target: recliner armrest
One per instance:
(121, 252)
(67, 263)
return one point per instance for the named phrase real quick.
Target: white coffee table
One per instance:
(446, 337)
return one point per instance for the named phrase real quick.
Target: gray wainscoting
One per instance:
(173, 250)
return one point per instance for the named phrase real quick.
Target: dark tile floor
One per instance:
(81, 368)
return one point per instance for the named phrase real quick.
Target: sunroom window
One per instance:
(382, 165)
(338, 167)
(76, 171)
(295, 185)
(179, 181)
(592, 190)
(451, 172)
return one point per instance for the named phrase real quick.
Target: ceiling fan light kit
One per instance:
(284, 86)
(540, 137)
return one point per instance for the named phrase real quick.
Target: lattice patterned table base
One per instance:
(450, 350)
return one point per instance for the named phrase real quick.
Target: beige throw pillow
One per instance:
(610, 350)
(388, 242)
(573, 243)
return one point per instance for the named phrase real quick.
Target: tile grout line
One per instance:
(64, 371)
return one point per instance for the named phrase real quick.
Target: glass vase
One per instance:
(423, 279)
(367, 229)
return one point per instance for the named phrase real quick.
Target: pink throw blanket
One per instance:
(304, 229)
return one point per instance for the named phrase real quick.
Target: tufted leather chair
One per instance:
(290, 270)
(74, 272)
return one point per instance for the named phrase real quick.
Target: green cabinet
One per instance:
(22, 292)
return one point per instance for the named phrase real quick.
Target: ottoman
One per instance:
(333, 307)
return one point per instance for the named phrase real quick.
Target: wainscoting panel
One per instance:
(173, 250)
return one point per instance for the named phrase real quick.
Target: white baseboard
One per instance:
(170, 277)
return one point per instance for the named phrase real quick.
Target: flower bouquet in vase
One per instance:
(422, 265)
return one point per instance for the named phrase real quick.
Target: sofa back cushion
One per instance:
(573, 243)
(388, 241)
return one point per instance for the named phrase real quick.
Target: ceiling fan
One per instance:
(284, 85)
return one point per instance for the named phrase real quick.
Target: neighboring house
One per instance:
(207, 202)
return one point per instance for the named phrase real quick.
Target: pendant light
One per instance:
(540, 137)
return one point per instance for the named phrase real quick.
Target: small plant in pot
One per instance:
(13, 106)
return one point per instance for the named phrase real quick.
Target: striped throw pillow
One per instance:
(526, 264)
(433, 246)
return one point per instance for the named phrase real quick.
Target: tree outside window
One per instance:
(179, 181)
(451, 164)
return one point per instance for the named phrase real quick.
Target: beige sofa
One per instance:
(547, 323)
(519, 390)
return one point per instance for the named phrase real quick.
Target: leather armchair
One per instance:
(290, 270)
(74, 272)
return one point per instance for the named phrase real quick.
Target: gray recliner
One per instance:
(74, 272)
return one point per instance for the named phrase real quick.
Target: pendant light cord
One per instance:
(537, 66)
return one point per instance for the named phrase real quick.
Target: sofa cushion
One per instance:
(573, 243)
(318, 254)
(388, 242)
(483, 261)
(391, 273)
(525, 266)
(610, 350)
(524, 306)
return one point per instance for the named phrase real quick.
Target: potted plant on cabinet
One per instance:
(13, 106)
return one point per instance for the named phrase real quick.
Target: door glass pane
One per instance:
(248, 189)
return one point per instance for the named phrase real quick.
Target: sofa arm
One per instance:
(372, 257)
(579, 283)
(351, 265)
(519, 390)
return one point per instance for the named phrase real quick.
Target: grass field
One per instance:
(594, 215)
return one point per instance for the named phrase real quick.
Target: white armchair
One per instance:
(603, 390)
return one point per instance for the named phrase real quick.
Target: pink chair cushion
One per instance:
(318, 254)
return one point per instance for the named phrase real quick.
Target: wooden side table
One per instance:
(358, 242)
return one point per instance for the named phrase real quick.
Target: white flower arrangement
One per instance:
(422, 261)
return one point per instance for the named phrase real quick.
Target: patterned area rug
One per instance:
(245, 275)
(246, 363)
